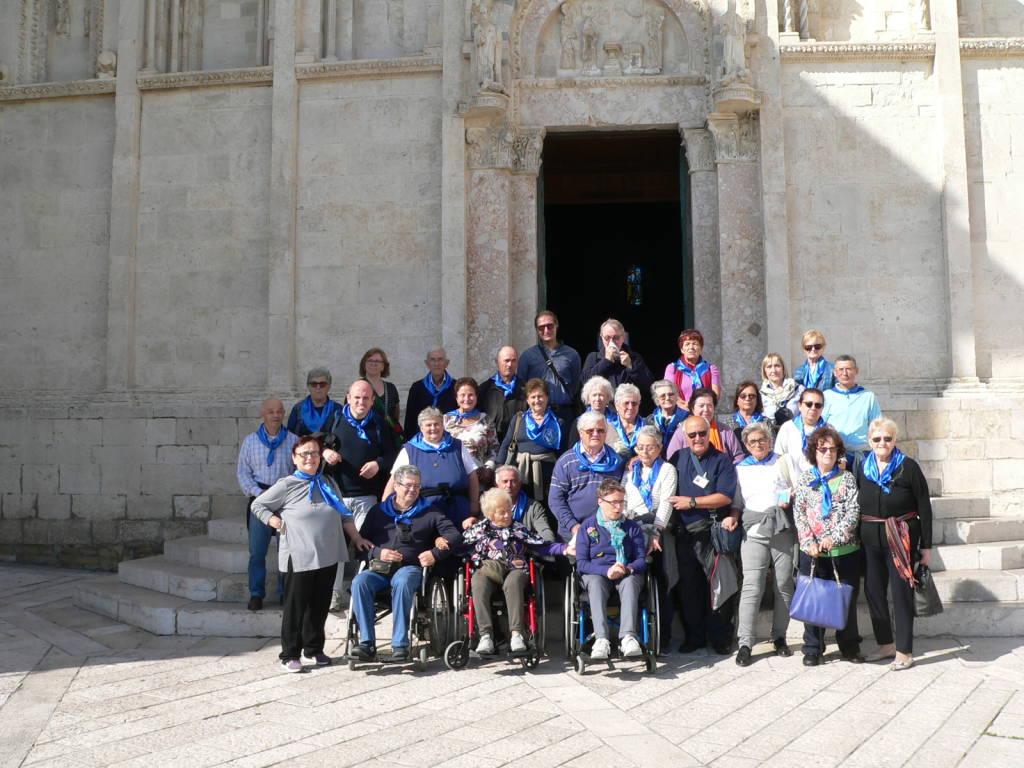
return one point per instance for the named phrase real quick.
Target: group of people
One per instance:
(551, 457)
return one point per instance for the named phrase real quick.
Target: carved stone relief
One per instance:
(500, 145)
(732, 31)
(487, 48)
(700, 149)
(736, 138)
(32, 42)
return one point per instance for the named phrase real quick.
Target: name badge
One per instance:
(783, 497)
(701, 481)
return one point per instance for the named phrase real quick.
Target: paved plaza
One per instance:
(78, 689)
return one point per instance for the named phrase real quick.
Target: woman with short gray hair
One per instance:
(625, 428)
(308, 416)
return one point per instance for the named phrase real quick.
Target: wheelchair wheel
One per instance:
(652, 662)
(581, 664)
(420, 665)
(653, 628)
(540, 641)
(439, 610)
(570, 616)
(456, 655)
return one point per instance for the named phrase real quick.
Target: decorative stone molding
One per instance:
(106, 65)
(661, 81)
(407, 65)
(736, 96)
(991, 47)
(32, 42)
(700, 150)
(905, 51)
(56, 90)
(499, 145)
(94, 32)
(245, 76)
(736, 138)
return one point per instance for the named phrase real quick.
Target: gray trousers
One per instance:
(513, 582)
(757, 553)
(359, 506)
(628, 587)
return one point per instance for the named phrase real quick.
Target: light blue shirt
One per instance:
(850, 414)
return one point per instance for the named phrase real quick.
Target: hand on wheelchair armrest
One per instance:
(427, 558)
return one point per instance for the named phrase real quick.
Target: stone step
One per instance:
(973, 586)
(162, 574)
(996, 556)
(934, 485)
(204, 552)
(977, 531)
(229, 530)
(958, 507)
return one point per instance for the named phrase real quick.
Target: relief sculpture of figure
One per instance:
(590, 48)
(653, 55)
(924, 16)
(568, 35)
(486, 41)
(733, 30)
(62, 18)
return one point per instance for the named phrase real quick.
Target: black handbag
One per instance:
(926, 595)
(727, 542)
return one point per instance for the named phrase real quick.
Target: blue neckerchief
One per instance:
(826, 492)
(459, 415)
(847, 392)
(798, 421)
(325, 490)
(696, 373)
(646, 487)
(884, 481)
(548, 433)
(668, 426)
(388, 508)
(359, 426)
(631, 444)
(272, 443)
(314, 417)
(447, 444)
(759, 416)
(616, 534)
(436, 392)
(608, 462)
(610, 414)
(696, 464)
(520, 508)
(812, 379)
(506, 388)
(750, 460)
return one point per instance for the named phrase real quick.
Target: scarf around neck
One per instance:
(646, 487)
(508, 388)
(272, 443)
(883, 480)
(699, 375)
(548, 433)
(359, 426)
(314, 417)
(436, 392)
(321, 483)
(812, 379)
(388, 508)
(609, 461)
(447, 444)
(616, 534)
(826, 492)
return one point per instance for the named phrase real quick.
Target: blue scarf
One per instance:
(446, 445)
(388, 508)
(668, 426)
(696, 373)
(884, 481)
(750, 460)
(548, 433)
(631, 444)
(359, 426)
(314, 417)
(325, 490)
(820, 373)
(608, 462)
(847, 392)
(798, 422)
(506, 388)
(272, 443)
(646, 487)
(759, 416)
(826, 492)
(520, 508)
(436, 392)
(616, 534)
(459, 415)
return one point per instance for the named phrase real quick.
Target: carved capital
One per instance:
(700, 150)
(736, 138)
(500, 145)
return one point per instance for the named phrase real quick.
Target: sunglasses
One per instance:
(701, 433)
(318, 384)
(827, 449)
(308, 454)
(809, 347)
(881, 439)
(545, 326)
(812, 405)
(748, 396)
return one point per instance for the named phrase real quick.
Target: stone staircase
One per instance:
(199, 586)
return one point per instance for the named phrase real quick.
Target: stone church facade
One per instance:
(203, 198)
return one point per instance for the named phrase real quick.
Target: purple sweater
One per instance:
(595, 553)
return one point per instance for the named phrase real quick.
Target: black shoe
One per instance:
(400, 654)
(255, 603)
(781, 648)
(722, 650)
(363, 652)
(690, 647)
(854, 658)
(743, 657)
(812, 659)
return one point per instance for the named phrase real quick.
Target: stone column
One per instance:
(707, 287)
(740, 234)
(345, 10)
(523, 257)
(283, 194)
(124, 201)
(310, 33)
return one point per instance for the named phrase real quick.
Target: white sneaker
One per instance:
(601, 649)
(336, 606)
(486, 645)
(631, 648)
(517, 644)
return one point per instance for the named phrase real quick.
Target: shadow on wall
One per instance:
(830, 19)
(991, 18)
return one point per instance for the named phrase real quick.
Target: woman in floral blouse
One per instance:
(827, 517)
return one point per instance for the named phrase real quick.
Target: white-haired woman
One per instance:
(624, 430)
(896, 534)
(668, 414)
(649, 484)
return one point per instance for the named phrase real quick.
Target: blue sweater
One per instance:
(595, 553)
(573, 495)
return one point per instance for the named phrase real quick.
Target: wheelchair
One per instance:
(458, 652)
(430, 622)
(579, 634)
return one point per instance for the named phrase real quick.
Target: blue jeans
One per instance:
(404, 583)
(259, 542)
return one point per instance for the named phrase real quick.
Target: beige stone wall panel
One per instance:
(991, 18)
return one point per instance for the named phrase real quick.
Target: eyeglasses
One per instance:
(307, 455)
(545, 326)
(317, 384)
(663, 395)
(882, 439)
(809, 347)
(375, 362)
(614, 502)
(701, 433)
(748, 396)
(812, 405)
(410, 486)
(592, 430)
(757, 441)
(827, 449)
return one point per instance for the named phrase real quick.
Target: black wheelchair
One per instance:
(430, 622)
(579, 633)
(459, 651)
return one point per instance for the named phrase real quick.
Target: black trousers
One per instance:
(692, 597)
(880, 575)
(848, 567)
(307, 597)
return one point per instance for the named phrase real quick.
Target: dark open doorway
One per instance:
(613, 241)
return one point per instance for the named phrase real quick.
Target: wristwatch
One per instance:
(693, 503)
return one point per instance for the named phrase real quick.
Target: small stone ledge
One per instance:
(903, 51)
(991, 47)
(205, 79)
(331, 70)
(56, 90)
(661, 81)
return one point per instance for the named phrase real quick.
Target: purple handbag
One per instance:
(821, 602)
